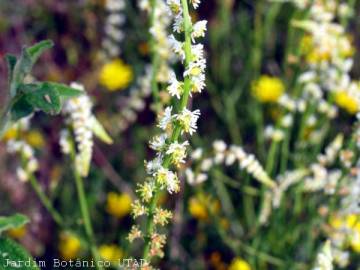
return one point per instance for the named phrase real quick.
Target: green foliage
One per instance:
(12, 222)
(27, 98)
(11, 251)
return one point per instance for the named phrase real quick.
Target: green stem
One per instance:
(45, 200)
(85, 211)
(149, 227)
(86, 217)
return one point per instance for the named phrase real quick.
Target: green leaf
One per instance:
(12, 222)
(21, 69)
(14, 257)
(27, 59)
(43, 97)
(100, 131)
(38, 49)
(64, 90)
(21, 108)
(11, 62)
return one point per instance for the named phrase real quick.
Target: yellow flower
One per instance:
(346, 102)
(118, 205)
(197, 209)
(336, 222)
(111, 253)
(11, 133)
(116, 75)
(268, 89)
(200, 205)
(17, 233)
(35, 139)
(353, 221)
(69, 246)
(355, 241)
(239, 264)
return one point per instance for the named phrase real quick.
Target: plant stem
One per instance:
(45, 200)
(85, 210)
(149, 228)
(86, 217)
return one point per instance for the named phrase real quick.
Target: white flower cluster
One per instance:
(329, 57)
(29, 164)
(114, 21)
(324, 260)
(170, 150)
(196, 67)
(227, 156)
(161, 43)
(79, 118)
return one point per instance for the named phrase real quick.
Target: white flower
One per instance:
(175, 6)
(197, 51)
(199, 29)
(206, 164)
(154, 165)
(219, 146)
(166, 119)
(22, 174)
(64, 141)
(324, 259)
(197, 154)
(173, 183)
(175, 87)
(159, 142)
(79, 115)
(196, 68)
(188, 120)
(167, 179)
(177, 151)
(198, 83)
(195, 3)
(178, 26)
(177, 46)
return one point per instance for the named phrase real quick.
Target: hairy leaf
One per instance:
(11, 62)
(36, 50)
(64, 90)
(21, 108)
(14, 257)
(43, 97)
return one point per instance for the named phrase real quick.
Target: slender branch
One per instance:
(85, 210)
(45, 200)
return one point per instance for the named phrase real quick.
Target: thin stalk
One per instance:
(86, 217)
(149, 227)
(85, 212)
(45, 200)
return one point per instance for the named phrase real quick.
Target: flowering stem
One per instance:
(177, 129)
(45, 200)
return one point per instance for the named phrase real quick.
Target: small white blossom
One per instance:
(159, 142)
(188, 120)
(175, 87)
(177, 151)
(166, 119)
(199, 29)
